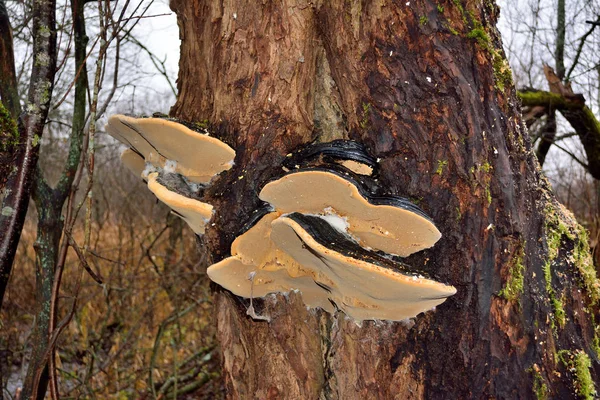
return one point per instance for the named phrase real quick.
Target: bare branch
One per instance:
(559, 53)
(94, 275)
(580, 47)
(158, 64)
(572, 155)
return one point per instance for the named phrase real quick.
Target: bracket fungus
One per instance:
(193, 153)
(194, 212)
(362, 283)
(315, 233)
(347, 153)
(133, 161)
(388, 223)
(317, 238)
(301, 252)
(173, 157)
(259, 267)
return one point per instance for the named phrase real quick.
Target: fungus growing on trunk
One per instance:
(195, 213)
(348, 153)
(133, 161)
(258, 267)
(331, 270)
(388, 223)
(362, 283)
(177, 159)
(193, 154)
(333, 211)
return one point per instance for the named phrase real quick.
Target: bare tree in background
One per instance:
(555, 45)
(69, 56)
(554, 51)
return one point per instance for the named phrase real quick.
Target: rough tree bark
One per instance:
(49, 203)
(16, 187)
(426, 87)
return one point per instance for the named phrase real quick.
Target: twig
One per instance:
(172, 380)
(106, 258)
(161, 330)
(79, 71)
(95, 276)
(61, 326)
(197, 354)
(205, 377)
(147, 250)
(155, 61)
(147, 16)
(581, 43)
(573, 156)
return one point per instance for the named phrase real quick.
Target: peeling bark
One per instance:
(424, 87)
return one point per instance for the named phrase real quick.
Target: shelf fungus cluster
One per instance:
(177, 160)
(326, 229)
(327, 232)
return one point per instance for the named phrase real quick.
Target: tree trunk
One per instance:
(425, 86)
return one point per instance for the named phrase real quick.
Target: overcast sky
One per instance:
(161, 35)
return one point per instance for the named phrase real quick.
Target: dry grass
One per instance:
(153, 309)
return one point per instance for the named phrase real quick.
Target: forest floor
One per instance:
(152, 313)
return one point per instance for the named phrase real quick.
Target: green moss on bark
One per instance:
(502, 72)
(514, 284)
(596, 338)
(580, 256)
(579, 364)
(441, 164)
(540, 389)
(366, 111)
(482, 37)
(562, 228)
(584, 383)
(553, 239)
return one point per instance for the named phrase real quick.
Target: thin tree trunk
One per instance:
(559, 53)
(17, 188)
(49, 202)
(425, 86)
(46, 246)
